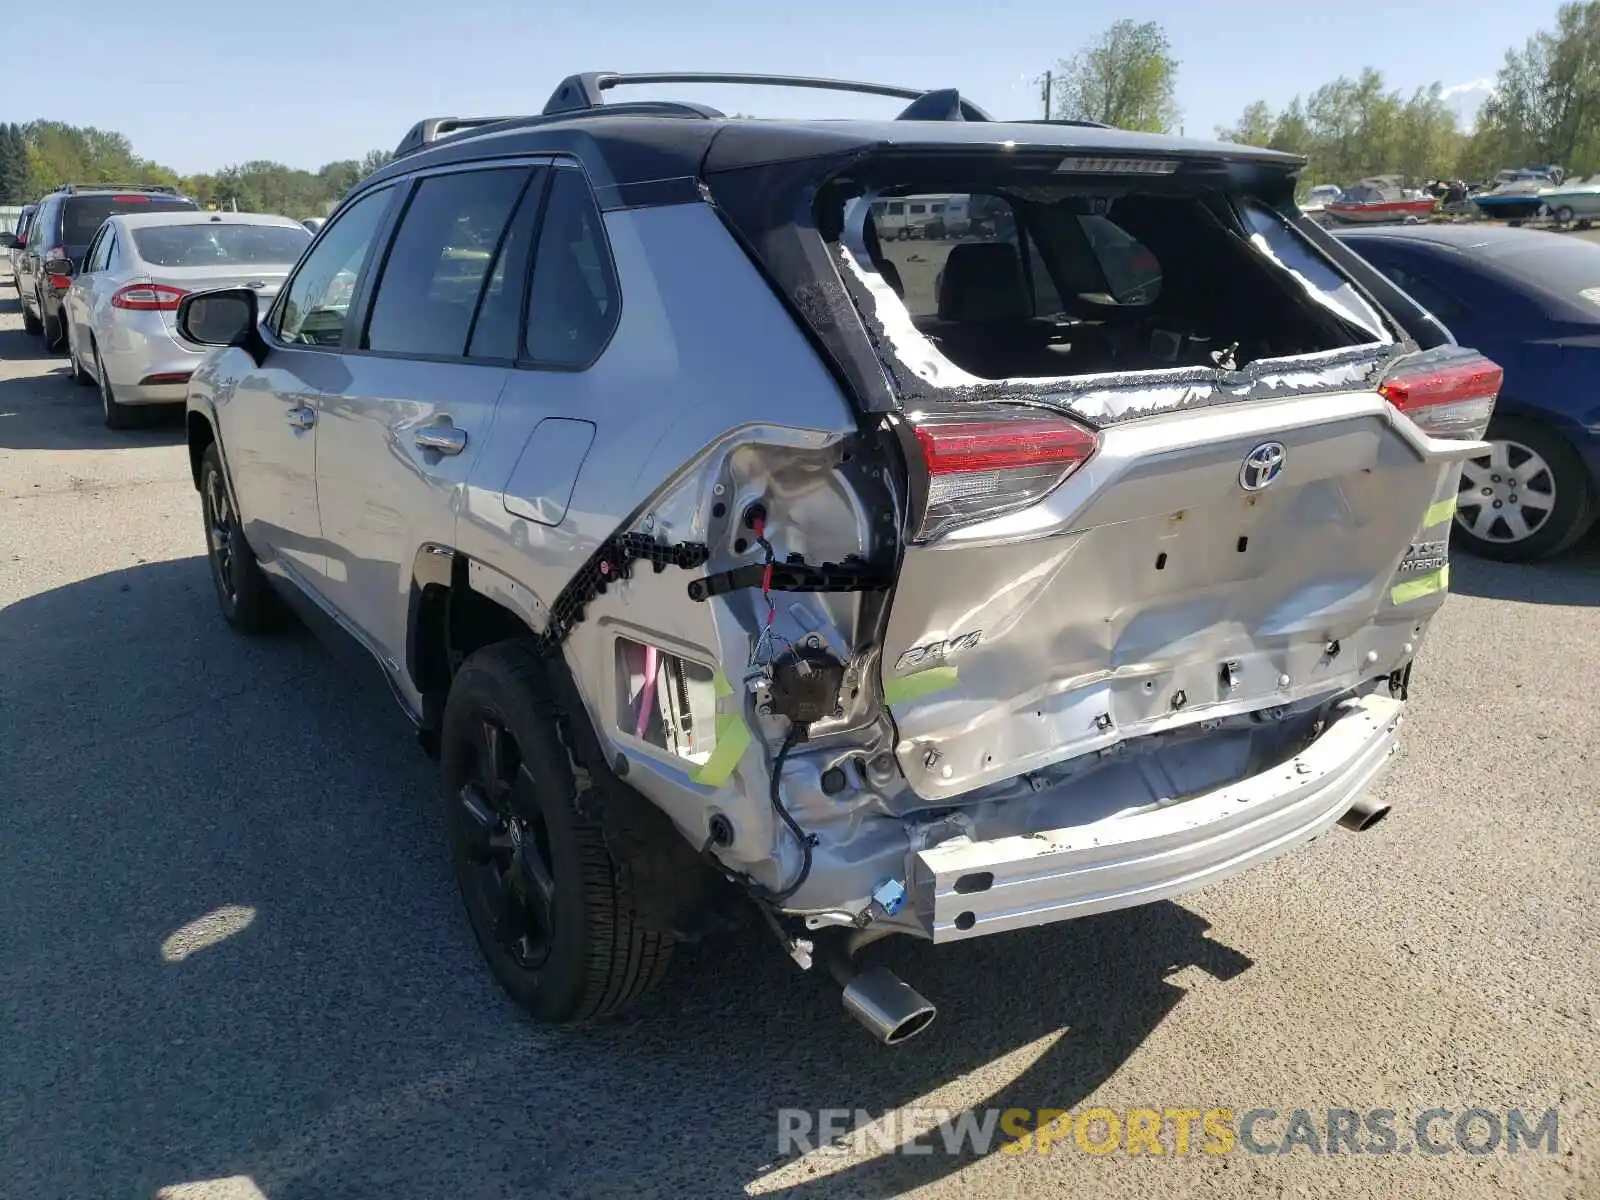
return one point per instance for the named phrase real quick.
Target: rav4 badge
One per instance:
(931, 652)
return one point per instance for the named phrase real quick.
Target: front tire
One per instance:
(554, 914)
(1529, 498)
(244, 595)
(30, 321)
(1564, 215)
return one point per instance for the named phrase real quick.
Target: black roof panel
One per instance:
(620, 150)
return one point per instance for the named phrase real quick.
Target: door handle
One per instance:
(302, 417)
(446, 439)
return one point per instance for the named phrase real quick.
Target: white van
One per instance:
(921, 217)
(957, 216)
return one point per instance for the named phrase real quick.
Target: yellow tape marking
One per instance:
(1441, 510)
(720, 687)
(913, 687)
(733, 738)
(1422, 585)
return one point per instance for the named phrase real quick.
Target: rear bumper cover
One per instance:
(1055, 874)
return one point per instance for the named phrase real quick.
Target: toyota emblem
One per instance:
(1262, 465)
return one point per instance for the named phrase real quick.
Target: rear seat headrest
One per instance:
(983, 281)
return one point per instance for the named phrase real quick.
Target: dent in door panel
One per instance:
(541, 484)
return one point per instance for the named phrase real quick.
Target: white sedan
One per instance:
(120, 309)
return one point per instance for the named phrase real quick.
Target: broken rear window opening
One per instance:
(1063, 288)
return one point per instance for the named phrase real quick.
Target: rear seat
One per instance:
(986, 321)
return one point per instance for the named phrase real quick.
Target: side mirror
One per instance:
(58, 266)
(223, 317)
(8, 241)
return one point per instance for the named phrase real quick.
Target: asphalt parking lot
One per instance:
(232, 963)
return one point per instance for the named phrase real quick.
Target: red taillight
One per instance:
(1453, 399)
(131, 199)
(161, 377)
(147, 297)
(981, 466)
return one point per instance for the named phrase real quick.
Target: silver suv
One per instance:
(736, 562)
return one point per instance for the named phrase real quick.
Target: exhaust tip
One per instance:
(891, 1010)
(1362, 817)
(911, 1026)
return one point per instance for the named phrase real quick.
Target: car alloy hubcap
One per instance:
(507, 845)
(219, 532)
(1506, 496)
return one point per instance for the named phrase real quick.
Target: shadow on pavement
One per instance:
(230, 946)
(45, 410)
(1572, 578)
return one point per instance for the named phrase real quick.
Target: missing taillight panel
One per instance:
(666, 700)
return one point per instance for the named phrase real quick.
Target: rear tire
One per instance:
(118, 416)
(556, 916)
(1544, 495)
(1564, 215)
(244, 594)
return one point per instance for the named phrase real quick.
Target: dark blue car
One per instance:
(1531, 302)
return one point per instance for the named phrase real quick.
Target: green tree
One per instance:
(1127, 77)
(1349, 129)
(339, 177)
(13, 165)
(1545, 106)
(1255, 127)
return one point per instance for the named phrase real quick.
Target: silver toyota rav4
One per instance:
(736, 561)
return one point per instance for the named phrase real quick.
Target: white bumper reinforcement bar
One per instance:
(986, 887)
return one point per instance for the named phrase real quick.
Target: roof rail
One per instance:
(71, 188)
(430, 130)
(1083, 124)
(426, 133)
(582, 93)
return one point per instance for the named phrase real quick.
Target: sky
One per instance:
(199, 84)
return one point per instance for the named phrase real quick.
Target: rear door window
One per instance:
(440, 261)
(574, 300)
(82, 215)
(495, 329)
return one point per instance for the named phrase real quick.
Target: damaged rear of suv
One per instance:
(940, 586)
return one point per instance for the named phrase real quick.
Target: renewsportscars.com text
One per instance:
(1178, 1131)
